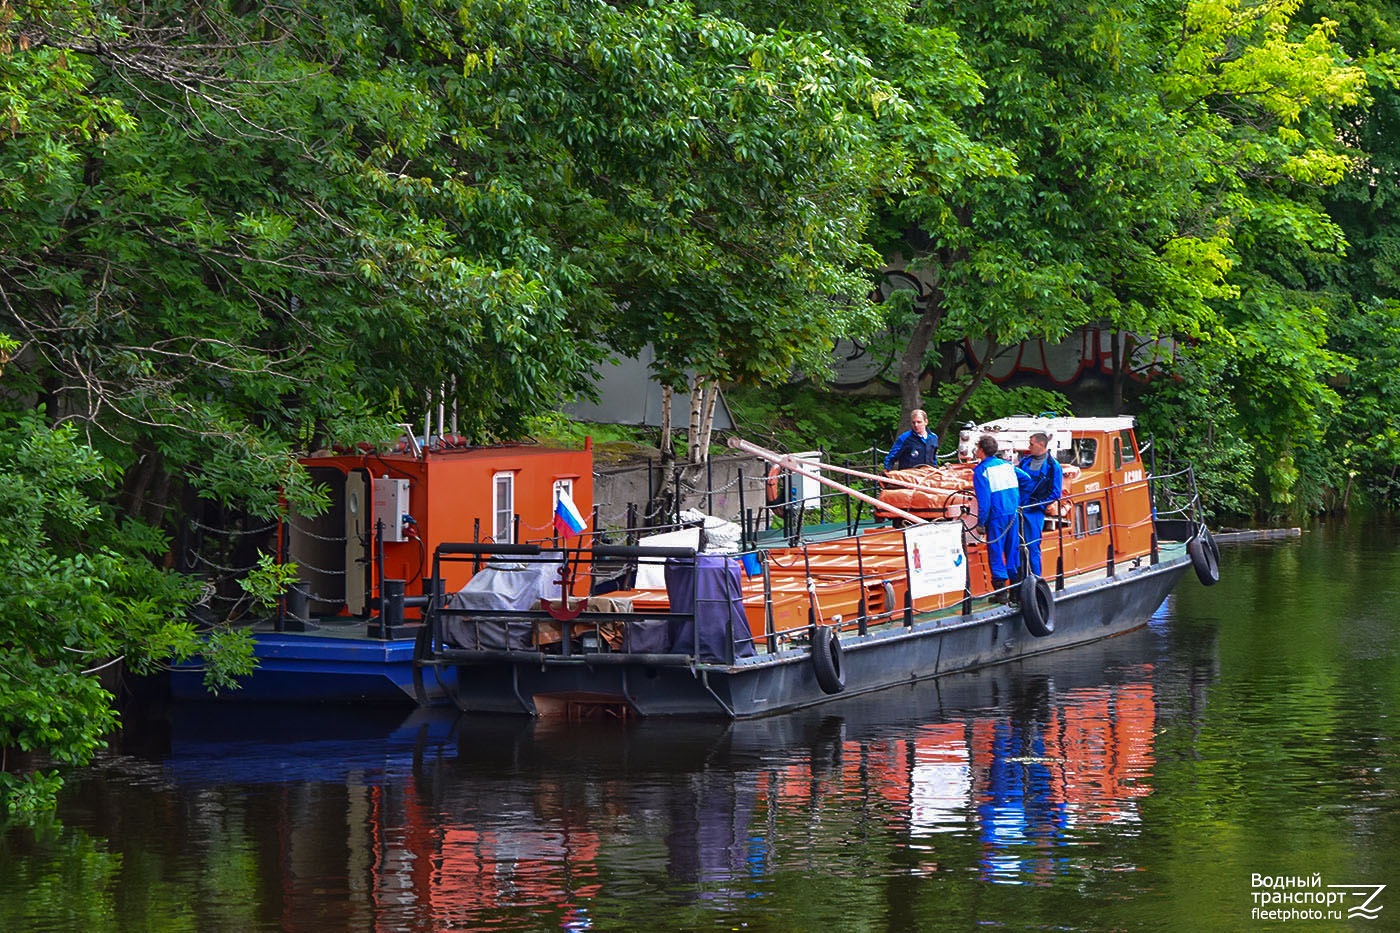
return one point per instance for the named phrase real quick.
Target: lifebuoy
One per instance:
(1037, 605)
(1205, 557)
(826, 659)
(773, 489)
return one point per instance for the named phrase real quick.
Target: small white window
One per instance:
(503, 512)
(563, 487)
(1125, 438)
(1093, 517)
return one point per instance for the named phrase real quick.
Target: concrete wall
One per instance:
(616, 486)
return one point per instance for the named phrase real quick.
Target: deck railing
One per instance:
(866, 589)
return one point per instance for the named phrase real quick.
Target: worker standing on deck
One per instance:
(916, 447)
(998, 488)
(1044, 484)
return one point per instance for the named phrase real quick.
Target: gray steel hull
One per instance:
(519, 682)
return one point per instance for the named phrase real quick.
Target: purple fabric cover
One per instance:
(709, 589)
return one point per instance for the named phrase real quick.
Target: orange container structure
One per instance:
(389, 511)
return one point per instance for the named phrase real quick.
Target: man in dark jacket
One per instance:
(915, 447)
(1044, 484)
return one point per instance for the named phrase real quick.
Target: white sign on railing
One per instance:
(808, 490)
(935, 558)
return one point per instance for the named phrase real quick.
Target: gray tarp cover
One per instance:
(511, 586)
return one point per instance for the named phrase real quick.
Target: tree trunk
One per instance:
(667, 453)
(693, 452)
(707, 420)
(146, 488)
(1122, 347)
(949, 416)
(912, 358)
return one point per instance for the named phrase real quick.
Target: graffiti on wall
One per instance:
(1085, 351)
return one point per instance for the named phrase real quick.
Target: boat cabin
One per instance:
(389, 512)
(1104, 516)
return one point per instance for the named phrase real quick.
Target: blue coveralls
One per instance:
(1041, 487)
(998, 488)
(910, 450)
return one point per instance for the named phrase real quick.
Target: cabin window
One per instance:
(1084, 452)
(503, 510)
(1093, 517)
(1129, 449)
(563, 487)
(1117, 454)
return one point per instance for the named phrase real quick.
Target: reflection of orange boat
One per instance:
(1061, 757)
(446, 822)
(814, 621)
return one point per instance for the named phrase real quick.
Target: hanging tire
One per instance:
(826, 659)
(1037, 605)
(1205, 558)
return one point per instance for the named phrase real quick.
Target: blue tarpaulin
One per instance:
(709, 592)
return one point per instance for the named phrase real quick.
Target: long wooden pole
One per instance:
(860, 474)
(789, 462)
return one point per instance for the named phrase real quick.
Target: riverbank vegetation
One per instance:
(230, 232)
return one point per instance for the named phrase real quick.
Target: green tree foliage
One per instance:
(1361, 444)
(83, 592)
(305, 215)
(709, 177)
(1168, 166)
(1264, 95)
(931, 153)
(232, 231)
(1095, 219)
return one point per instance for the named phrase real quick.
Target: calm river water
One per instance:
(1242, 750)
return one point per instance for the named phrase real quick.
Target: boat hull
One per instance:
(518, 682)
(296, 667)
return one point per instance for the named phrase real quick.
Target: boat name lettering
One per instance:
(1132, 476)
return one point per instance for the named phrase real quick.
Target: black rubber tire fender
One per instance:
(1205, 558)
(1037, 605)
(827, 659)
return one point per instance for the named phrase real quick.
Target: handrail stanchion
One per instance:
(768, 628)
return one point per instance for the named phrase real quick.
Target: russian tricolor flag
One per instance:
(567, 519)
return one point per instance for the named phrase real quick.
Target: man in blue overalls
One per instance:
(1045, 483)
(915, 447)
(998, 488)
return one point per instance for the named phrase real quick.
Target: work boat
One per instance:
(546, 629)
(347, 630)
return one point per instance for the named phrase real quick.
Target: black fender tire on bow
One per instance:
(827, 659)
(1205, 557)
(1037, 605)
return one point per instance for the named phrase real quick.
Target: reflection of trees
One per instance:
(505, 820)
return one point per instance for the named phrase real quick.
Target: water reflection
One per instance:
(443, 823)
(1249, 728)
